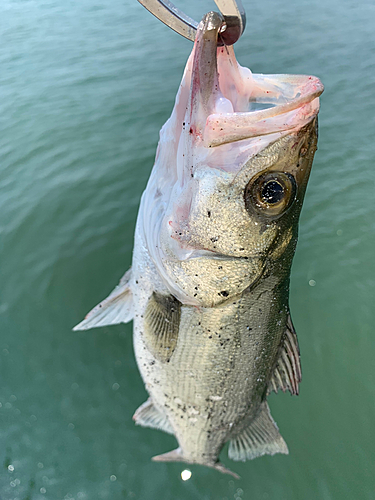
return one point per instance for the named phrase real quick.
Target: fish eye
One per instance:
(270, 194)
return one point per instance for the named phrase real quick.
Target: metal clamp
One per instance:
(232, 11)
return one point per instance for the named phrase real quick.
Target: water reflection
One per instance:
(186, 475)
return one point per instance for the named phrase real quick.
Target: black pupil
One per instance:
(272, 192)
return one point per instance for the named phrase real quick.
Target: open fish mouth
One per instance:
(290, 101)
(222, 94)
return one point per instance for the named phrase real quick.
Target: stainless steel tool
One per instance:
(232, 11)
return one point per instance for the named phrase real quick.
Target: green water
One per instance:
(85, 86)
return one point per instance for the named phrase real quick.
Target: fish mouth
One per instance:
(222, 92)
(285, 113)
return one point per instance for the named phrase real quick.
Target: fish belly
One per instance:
(211, 386)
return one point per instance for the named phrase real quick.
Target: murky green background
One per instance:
(85, 86)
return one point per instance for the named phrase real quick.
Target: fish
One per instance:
(216, 233)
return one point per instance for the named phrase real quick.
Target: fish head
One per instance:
(227, 188)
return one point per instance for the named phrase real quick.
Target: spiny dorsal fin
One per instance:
(287, 373)
(116, 308)
(149, 416)
(262, 437)
(162, 322)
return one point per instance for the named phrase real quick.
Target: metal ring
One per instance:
(169, 14)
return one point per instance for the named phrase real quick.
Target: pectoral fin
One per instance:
(161, 325)
(262, 437)
(148, 415)
(116, 308)
(287, 373)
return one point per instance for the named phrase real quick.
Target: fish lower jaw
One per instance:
(211, 279)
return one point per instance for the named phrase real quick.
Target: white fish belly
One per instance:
(213, 384)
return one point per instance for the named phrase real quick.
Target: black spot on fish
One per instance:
(224, 293)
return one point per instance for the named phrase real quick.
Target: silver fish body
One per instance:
(214, 242)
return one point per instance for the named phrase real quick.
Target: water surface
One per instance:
(84, 89)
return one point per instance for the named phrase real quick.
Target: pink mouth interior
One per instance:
(292, 101)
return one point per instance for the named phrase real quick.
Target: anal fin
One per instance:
(262, 437)
(148, 415)
(177, 456)
(287, 373)
(171, 456)
(116, 308)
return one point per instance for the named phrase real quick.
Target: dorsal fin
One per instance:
(287, 372)
(116, 308)
(262, 437)
(161, 325)
(148, 415)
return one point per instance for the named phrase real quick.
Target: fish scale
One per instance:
(215, 237)
(203, 357)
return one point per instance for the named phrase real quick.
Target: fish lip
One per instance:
(206, 253)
